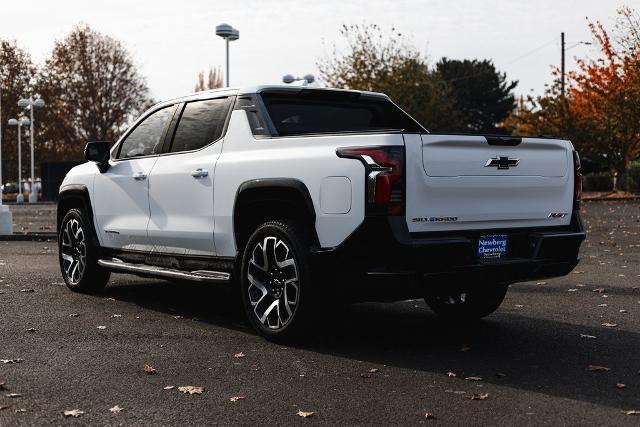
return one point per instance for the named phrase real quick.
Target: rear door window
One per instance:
(201, 123)
(323, 111)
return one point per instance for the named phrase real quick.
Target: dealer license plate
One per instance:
(494, 246)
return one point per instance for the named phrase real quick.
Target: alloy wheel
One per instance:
(273, 283)
(73, 250)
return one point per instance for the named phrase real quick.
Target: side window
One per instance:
(146, 139)
(201, 123)
(249, 103)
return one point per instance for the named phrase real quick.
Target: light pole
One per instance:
(19, 123)
(31, 104)
(6, 219)
(563, 49)
(229, 34)
(306, 80)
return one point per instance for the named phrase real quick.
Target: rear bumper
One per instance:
(382, 251)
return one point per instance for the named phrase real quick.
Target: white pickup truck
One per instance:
(301, 196)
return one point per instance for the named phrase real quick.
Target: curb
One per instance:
(35, 237)
(611, 199)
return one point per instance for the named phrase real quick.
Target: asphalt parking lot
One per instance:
(558, 352)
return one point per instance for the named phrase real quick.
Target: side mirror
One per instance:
(98, 152)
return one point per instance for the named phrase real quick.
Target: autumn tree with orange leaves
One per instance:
(601, 110)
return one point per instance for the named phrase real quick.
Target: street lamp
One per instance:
(306, 80)
(20, 123)
(31, 104)
(230, 34)
(6, 219)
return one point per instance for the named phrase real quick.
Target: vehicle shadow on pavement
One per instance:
(507, 349)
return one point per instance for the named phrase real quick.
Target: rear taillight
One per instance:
(384, 177)
(577, 181)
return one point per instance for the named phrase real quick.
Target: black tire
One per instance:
(78, 254)
(277, 291)
(468, 305)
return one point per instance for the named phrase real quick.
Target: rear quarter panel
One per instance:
(310, 159)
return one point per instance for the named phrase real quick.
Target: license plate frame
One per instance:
(492, 246)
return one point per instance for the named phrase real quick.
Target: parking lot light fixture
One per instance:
(19, 123)
(306, 80)
(229, 34)
(31, 104)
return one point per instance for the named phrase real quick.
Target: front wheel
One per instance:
(276, 281)
(78, 254)
(467, 305)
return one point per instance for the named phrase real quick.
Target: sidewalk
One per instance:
(32, 221)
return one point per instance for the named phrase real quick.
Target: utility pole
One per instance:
(562, 49)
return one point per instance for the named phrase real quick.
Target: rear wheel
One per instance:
(276, 281)
(467, 305)
(78, 254)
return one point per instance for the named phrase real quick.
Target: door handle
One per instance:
(139, 176)
(199, 173)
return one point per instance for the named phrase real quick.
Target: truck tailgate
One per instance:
(456, 182)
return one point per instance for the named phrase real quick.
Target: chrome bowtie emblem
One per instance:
(502, 162)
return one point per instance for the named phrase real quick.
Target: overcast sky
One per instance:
(173, 40)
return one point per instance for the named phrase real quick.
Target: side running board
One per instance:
(115, 264)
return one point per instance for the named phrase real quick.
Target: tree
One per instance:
(214, 80)
(602, 104)
(92, 89)
(482, 94)
(378, 62)
(16, 77)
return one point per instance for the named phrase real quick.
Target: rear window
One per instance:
(319, 111)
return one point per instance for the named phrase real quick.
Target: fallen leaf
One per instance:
(239, 355)
(597, 368)
(11, 360)
(621, 385)
(480, 396)
(473, 378)
(169, 387)
(429, 416)
(610, 325)
(14, 395)
(116, 409)
(451, 374)
(191, 389)
(591, 337)
(236, 398)
(305, 414)
(102, 327)
(148, 369)
(73, 413)
(373, 370)
(632, 412)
